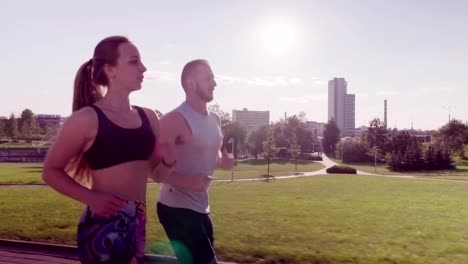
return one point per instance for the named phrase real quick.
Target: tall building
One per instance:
(341, 106)
(251, 119)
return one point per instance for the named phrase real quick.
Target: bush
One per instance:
(283, 153)
(342, 169)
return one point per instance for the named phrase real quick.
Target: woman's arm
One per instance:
(76, 134)
(70, 142)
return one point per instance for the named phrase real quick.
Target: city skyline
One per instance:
(409, 53)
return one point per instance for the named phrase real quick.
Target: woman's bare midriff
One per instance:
(126, 180)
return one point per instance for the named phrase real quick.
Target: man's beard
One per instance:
(203, 95)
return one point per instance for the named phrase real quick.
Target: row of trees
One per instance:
(416, 158)
(400, 149)
(24, 126)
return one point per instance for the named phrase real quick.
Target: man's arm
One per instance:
(163, 157)
(225, 160)
(172, 127)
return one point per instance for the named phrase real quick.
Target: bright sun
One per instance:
(278, 37)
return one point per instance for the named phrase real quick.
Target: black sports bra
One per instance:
(114, 145)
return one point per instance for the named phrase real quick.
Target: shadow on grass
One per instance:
(267, 177)
(462, 169)
(34, 171)
(33, 167)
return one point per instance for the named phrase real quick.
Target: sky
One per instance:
(266, 55)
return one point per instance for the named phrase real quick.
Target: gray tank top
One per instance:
(195, 157)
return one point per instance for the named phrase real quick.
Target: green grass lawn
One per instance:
(20, 173)
(459, 173)
(322, 219)
(31, 172)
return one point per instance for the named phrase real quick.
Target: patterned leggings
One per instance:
(117, 239)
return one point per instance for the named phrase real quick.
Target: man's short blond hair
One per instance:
(189, 69)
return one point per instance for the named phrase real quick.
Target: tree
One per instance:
(269, 149)
(28, 123)
(353, 150)
(444, 160)
(295, 150)
(280, 136)
(305, 137)
(430, 158)
(400, 140)
(236, 131)
(283, 131)
(255, 141)
(376, 135)
(413, 157)
(302, 116)
(12, 127)
(452, 137)
(224, 116)
(331, 135)
(2, 127)
(395, 162)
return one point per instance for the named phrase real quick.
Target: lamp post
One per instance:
(375, 159)
(232, 169)
(449, 107)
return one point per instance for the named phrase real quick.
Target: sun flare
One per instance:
(278, 37)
